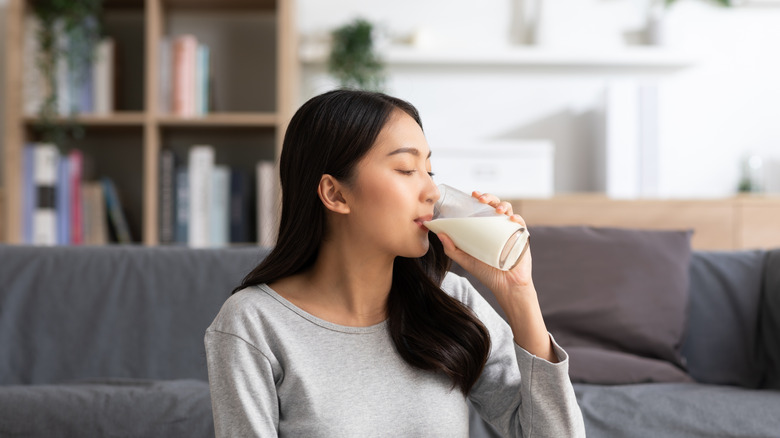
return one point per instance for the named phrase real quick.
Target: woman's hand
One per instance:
(498, 281)
(514, 289)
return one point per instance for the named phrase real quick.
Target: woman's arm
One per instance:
(243, 392)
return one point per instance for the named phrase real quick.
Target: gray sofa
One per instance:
(108, 341)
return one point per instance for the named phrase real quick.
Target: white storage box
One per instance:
(508, 169)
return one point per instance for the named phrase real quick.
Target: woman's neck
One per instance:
(346, 285)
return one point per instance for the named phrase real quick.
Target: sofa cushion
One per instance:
(720, 337)
(70, 313)
(679, 410)
(770, 321)
(111, 408)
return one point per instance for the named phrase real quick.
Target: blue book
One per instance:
(62, 202)
(115, 212)
(29, 198)
(203, 79)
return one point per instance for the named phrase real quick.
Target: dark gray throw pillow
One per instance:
(719, 344)
(770, 321)
(617, 292)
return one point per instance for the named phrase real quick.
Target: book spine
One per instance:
(240, 207)
(30, 198)
(220, 214)
(167, 196)
(201, 166)
(103, 77)
(182, 205)
(63, 202)
(266, 203)
(64, 104)
(35, 88)
(166, 70)
(76, 159)
(203, 80)
(184, 66)
(45, 178)
(116, 214)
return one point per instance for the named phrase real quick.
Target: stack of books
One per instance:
(80, 89)
(206, 204)
(184, 76)
(61, 207)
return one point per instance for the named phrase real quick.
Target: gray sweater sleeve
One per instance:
(242, 387)
(520, 394)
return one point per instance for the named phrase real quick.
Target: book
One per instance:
(185, 49)
(94, 214)
(181, 233)
(116, 215)
(202, 80)
(62, 69)
(44, 223)
(220, 211)
(75, 170)
(166, 71)
(103, 76)
(241, 212)
(167, 205)
(29, 198)
(201, 168)
(62, 201)
(266, 203)
(35, 88)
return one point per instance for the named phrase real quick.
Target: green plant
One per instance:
(353, 59)
(74, 20)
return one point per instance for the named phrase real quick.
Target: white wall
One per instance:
(710, 115)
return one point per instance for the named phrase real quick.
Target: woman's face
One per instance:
(393, 192)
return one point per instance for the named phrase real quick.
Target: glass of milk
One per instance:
(477, 229)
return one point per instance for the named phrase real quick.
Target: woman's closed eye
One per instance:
(412, 172)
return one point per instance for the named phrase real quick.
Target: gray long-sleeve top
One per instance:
(276, 370)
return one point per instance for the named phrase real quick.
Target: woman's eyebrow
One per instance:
(412, 151)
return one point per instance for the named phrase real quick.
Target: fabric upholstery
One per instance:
(722, 317)
(72, 313)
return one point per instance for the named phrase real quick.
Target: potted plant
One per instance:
(68, 33)
(353, 60)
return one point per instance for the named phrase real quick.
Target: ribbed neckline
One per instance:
(319, 321)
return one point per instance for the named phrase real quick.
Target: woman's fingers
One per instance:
(502, 207)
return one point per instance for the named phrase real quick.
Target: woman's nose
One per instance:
(431, 193)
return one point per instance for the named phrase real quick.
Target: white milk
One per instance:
(483, 238)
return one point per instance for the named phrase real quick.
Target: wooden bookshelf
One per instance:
(247, 123)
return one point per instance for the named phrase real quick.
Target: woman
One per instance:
(352, 327)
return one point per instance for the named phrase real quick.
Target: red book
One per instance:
(185, 48)
(76, 159)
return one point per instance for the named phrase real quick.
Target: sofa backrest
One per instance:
(73, 313)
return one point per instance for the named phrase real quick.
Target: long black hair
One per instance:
(329, 134)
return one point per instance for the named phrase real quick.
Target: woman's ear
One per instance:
(330, 193)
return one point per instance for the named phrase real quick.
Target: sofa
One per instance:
(108, 341)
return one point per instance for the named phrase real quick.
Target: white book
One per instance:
(35, 89)
(166, 70)
(267, 197)
(103, 77)
(220, 206)
(201, 169)
(44, 226)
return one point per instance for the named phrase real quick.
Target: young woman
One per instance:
(352, 327)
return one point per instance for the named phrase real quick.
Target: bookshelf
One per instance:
(254, 77)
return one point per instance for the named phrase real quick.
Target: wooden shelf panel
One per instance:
(222, 119)
(269, 5)
(122, 118)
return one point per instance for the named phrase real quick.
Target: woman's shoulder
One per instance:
(459, 288)
(242, 309)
